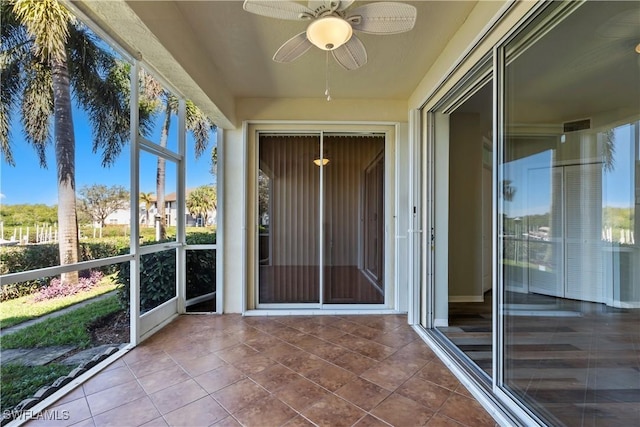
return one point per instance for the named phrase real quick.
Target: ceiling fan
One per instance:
(331, 26)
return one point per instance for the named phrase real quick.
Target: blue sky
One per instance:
(532, 179)
(27, 182)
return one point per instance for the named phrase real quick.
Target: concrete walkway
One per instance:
(43, 355)
(19, 326)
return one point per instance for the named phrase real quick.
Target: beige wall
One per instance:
(457, 58)
(465, 207)
(319, 109)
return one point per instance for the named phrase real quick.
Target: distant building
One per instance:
(123, 216)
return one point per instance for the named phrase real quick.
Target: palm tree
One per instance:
(45, 55)
(147, 199)
(202, 201)
(200, 127)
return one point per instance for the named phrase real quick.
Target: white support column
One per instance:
(181, 258)
(134, 200)
(220, 215)
(414, 209)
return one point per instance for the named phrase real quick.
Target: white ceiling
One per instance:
(240, 46)
(226, 53)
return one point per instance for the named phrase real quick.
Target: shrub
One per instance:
(57, 289)
(158, 274)
(157, 280)
(24, 258)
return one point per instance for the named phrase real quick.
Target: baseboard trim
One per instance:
(466, 298)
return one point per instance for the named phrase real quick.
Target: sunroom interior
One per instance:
(452, 178)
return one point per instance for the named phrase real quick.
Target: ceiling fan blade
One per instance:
(352, 54)
(278, 9)
(383, 18)
(293, 48)
(322, 5)
(345, 4)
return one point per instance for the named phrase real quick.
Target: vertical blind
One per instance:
(290, 258)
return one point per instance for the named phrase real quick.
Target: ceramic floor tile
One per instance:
(437, 373)
(108, 379)
(363, 393)
(303, 362)
(466, 411)
(235, 353)
(279, 351)
(201, 364)
(65, 414)
(424, 392)
(227, 422)
(76, 393)
(299, 421)
(370, 421)
(268, 412)
(398, 410)
(156, 422)
(177, 396)
(386, 375)
(84, 423)
(240, 395)
(439, 420)
(333, 411)
(134, 413)
(253, 364)
(275, 377)
(330, 377)
(157, 381)
(301, 393)
(354, 362)
(114, 396)
(284, 371)
(160, 363)
(219, 378)
(202, 412)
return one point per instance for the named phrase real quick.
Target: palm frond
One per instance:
(101, 87)
(14, 52)
(10, 90)
(37, 108)
(200, 126)
(609, 151)
(46, 22)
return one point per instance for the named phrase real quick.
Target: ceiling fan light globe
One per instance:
(329, 33)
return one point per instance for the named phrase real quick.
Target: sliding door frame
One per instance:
(254, 130)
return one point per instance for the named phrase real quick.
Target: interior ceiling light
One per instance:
(638, 48)
(322, 161)
(329, 33)
(331, 26)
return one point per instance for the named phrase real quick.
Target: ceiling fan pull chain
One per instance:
(326, 90)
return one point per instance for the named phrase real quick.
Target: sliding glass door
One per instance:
(353, 206)
(320, 219)
(289, 219)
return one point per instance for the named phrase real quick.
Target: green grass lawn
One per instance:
(66, 329)
(21, 309)
(21, 382)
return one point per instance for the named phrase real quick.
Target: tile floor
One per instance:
(231, 370)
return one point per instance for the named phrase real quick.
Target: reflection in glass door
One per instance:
(288, 200)
(320, 219)
(353, 219)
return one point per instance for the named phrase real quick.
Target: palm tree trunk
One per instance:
(65, 161)
(161, 173)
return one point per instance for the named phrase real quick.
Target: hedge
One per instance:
(157, 271)
(15, 259)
